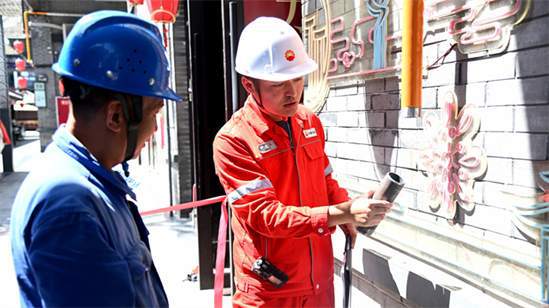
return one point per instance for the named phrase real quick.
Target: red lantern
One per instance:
(163, 10)
(22, 82)
(19, 46)
(20, 65)
(135, 2)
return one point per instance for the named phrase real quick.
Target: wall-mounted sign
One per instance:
(42, 78)
(350, 43)
(356, 40)
(40, 94)
(479, 27)
(451, 160)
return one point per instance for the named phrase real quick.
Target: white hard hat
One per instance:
(270, 49)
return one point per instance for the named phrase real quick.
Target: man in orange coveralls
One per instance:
(270, 160)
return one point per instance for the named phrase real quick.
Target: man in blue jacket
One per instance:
(77, 239)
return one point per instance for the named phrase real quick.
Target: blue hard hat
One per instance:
(117, 51)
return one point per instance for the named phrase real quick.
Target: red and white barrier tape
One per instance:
(184, 206)
(221, 238)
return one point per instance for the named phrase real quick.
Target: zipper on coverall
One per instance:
(294, 151)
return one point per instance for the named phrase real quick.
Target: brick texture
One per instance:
(510, 90)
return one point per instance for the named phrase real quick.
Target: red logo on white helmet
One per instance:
(289, 55)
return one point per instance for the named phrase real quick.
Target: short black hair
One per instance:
(86, 100)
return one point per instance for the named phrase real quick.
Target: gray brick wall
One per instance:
(367, 132)
(42, 49)
(499, 67)
(47, 116)
(527, 91)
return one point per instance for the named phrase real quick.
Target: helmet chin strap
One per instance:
(258, 99)
(132, 106)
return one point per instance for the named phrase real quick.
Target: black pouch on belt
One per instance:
(269, 272)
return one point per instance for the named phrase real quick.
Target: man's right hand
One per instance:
(362, 211)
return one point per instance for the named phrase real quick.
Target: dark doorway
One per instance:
(208, 115)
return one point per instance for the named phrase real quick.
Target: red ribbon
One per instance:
(221, 239)
(183, 206)
(220, 258)
(5, 137)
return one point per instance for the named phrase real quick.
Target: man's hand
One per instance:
(350, 229)
(361, 211)
(368, 212)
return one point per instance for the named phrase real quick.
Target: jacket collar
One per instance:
(261, 122)
(75, 149)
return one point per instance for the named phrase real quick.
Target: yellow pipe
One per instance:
(412, 56)
(26, 26)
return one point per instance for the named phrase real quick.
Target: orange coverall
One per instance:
(273, 186)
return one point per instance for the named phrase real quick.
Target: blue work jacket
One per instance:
(76, 240)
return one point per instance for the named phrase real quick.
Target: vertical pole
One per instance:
(5, 116)
(544, 238)
(412, 55)
(167, 44)
(234, 97)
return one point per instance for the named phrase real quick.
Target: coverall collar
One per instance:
(72, 147)
(261, 122)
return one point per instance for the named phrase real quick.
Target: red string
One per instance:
(183, 206)
(220, 258)
(5, 137)
(221, 238)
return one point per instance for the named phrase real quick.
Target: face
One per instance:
(147, 127)
(279, 99)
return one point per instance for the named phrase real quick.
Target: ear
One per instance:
(114, 116)
(248, 85)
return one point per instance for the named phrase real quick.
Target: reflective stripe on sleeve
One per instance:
(249, 188)
(328, 170)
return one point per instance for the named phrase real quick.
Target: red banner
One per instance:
(289, 10)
